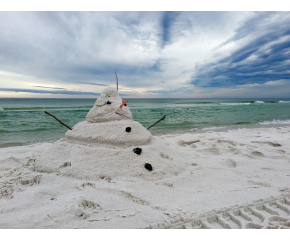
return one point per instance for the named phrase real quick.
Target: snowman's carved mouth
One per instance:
(101, 105)
(122, 114)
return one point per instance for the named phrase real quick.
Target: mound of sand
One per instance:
(93, 163)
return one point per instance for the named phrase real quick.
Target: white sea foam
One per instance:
(259, 102)
(284, 101)
(275, 122)
(235, 104)
(1, 109)
(213, 128)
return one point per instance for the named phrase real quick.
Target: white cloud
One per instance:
(63, 49)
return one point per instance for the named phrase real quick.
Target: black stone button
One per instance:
(108, 102)
(148, 166)
(128, 129)
(137, 150)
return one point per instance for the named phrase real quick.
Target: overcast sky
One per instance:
(155, 54)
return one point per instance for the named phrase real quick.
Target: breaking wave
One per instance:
(214, 128)
(275, 122)
(232, 104)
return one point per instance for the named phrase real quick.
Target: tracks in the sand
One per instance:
(270, 214)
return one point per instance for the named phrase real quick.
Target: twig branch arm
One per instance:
(58, 120)
(117, 80)
(157, 121)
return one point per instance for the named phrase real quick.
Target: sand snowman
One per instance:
(110, 145)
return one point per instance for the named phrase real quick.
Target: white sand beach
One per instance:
(93, 179)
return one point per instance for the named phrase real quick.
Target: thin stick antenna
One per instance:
(117, 80)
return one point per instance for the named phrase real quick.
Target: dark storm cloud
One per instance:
(97, 84)
(48, 91)
(180, 90)
(156, 66)
(166, 24)
(270, 52)
(49, 87)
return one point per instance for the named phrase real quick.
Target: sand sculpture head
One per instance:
(107, 108)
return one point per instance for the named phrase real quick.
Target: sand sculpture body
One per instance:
(104, 146)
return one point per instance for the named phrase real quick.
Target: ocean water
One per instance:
(23, 121)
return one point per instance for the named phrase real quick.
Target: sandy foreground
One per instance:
(233, 179)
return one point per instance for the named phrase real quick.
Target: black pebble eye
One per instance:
(148, 166)
(125, 104)
(137, 150)
(108, 102)
(128, 129)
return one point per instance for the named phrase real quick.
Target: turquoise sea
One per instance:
(23, 121)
